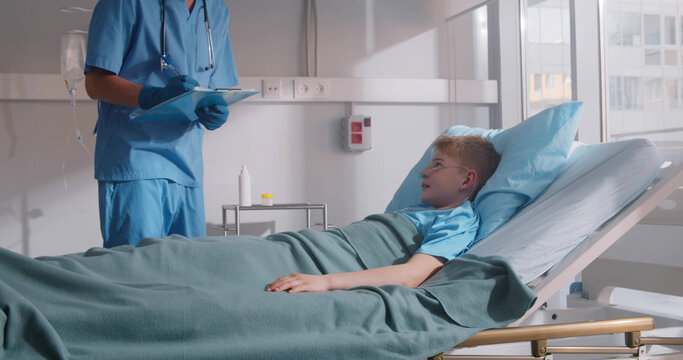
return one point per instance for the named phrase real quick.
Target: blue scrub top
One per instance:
(446, 233)
(125, 38)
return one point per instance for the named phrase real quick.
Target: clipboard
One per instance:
(181, 107)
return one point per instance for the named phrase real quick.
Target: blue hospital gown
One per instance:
(446, 233)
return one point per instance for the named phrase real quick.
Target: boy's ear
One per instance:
(470, 180)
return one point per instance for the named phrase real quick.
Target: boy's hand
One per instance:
(300, 283)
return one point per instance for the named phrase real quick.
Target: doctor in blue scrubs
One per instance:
(141, 53)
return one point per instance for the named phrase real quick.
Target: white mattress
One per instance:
(597, 182)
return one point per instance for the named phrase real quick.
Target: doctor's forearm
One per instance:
(105, 86)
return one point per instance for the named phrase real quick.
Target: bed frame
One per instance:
(550, 283)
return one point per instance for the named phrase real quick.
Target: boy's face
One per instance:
(444, 182)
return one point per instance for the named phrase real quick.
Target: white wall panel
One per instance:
(292, 150)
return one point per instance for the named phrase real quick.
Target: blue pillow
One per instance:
(532, 153)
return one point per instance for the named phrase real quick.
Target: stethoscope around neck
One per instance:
(209, 39)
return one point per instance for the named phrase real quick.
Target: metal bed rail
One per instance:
(538, 336)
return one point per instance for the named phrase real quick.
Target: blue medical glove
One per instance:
(212, 116)
(151, 96)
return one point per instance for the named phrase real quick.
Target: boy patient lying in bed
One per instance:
(446, 220)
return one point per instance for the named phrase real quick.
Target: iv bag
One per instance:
(73, 59)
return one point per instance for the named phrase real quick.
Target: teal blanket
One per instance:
(204, 298)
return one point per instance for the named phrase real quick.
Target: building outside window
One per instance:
(548, 56)
(644, 77)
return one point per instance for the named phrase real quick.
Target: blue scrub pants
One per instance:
(133, 210)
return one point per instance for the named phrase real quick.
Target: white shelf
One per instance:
(384, 90)
(51, 87)
(41, 87)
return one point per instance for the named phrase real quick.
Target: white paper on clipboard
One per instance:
(181, 107)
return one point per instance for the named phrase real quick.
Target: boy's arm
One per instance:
(411, 274)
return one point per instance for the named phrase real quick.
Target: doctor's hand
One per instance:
(300, 283)
(212, 116)
(151, 96)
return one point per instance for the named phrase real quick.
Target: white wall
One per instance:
(48, 197)
(47, 192)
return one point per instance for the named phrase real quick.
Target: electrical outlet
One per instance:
(312, 88)
(271, 89)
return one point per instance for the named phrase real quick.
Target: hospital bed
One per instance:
(601, 186)
(176, 307)
(559, 228)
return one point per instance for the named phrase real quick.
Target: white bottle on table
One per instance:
(245, 187)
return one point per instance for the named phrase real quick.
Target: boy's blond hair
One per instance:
(474, 152)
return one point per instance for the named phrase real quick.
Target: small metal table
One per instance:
(296, 206)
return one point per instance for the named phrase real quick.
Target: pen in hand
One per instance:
(170, 65)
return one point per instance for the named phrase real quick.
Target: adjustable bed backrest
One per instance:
(667, 181)
(574, 220)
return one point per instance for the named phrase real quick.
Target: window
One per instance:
(537, 82)
(548, 56)
(652, 57)
(672, 94)
(632, 98)
(474, 57)
(644, 77)
(549, 81)
(671, 57)
(670, 30)
(651, 29)
(624, 93)
(653, 93)
(616, 90)
(623, 28)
